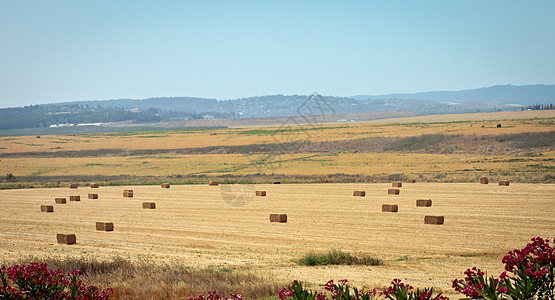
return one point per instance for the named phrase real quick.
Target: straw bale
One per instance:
(279, 218)
(359, 193)
(128, 193)
(47, 208)
(261, 193)
(213, 183)
(73, 185)
(437, 220)
(67, 239)
(165, 185)
(94, 185)
(483, 180)
(424, 202)
(277, 182)
(93, 196)
(60, 200)
(393, 191)
(74, 198)
(105, 226)
(397, 184)
(504, 182)
(149, 205)
(411, 181)
(390, 208)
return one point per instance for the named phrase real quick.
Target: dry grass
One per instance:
(146, 279)
(196, 228)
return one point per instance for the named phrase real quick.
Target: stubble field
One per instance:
(227, 227)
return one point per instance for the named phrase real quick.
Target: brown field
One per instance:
(227, 227)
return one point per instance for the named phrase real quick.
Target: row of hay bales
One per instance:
(504, 182)
(438, 220)
(70, 239)
(279, 218)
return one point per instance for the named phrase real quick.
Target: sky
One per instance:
(58, 51)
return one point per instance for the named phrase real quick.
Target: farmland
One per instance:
(226, 228)
(430, 149)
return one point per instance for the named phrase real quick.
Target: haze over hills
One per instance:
(525, 95)
(164, 109)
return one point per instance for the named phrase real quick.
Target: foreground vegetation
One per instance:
(529, 274)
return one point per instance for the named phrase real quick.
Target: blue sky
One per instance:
(57, 51)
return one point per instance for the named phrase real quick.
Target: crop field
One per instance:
(428, 148)
(227, 227)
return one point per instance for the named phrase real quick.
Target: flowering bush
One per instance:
(530, 275)
(340, 291)
(212, 295)
(477, 285)
(401, 291)
(36, 281)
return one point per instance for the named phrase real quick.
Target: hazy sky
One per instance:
(57, 51)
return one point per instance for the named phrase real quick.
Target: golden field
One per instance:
(226, 226)
(466, 124)
(171, 155)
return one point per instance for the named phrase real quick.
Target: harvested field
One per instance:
(195, 227)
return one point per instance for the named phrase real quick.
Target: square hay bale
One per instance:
(261, 193)
(277, 182)
(279, 218)
(68, 239)
(397, 184)
(149, 205)
(73, 185)
(424, 202)
(93, 196)
(105, 226)
(94, 185)
(359, 193)
(213, 183)
(393, 191)
(411, 181)
(47, 208)
(128, 193)
(504, 182)
(60, 200)
(483, 180)
(165, 185)
(390, 208)
(437, 220)
(74, 198)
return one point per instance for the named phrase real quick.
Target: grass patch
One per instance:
(422, 142)
(529, 140)
(336, 257)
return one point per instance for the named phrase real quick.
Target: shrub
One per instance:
(530, 275)
(36, 281)
(335, 257)
(10, 176)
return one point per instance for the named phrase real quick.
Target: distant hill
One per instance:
(165, 109)
(525, 95)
